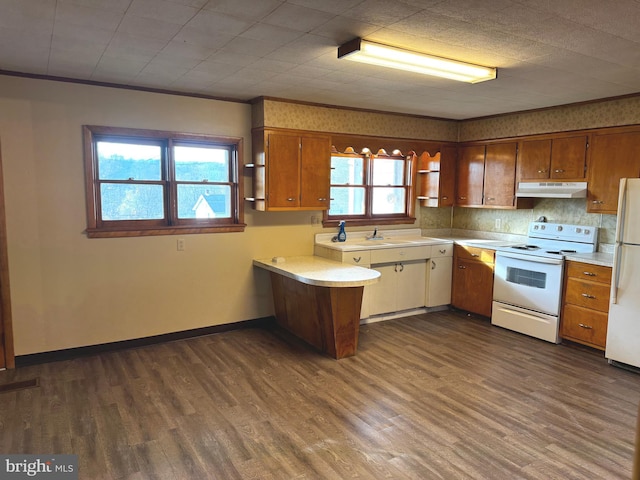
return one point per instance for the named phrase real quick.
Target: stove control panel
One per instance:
(560, 231)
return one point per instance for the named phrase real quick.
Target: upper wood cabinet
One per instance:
(292, 170)
(613, 156)
(437, 177)
(558, 158)
(470, 175)
(500, 174)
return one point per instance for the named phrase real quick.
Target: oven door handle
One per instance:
(530, 258)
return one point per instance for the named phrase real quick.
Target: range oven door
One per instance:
(527, 281)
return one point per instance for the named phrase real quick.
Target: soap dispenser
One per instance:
(342, 235)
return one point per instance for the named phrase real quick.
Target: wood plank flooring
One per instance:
(435, 396)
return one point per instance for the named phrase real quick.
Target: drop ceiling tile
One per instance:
(245, 9)
(148, 27)
(249, 46)
(184, 49)
(200, 38)
(341, 29)
(165, 11)
(276, 35)
(44, 9)
(88, 17)
(216, 23)
(297, 18)
(232, 59)
(120, 6)
(269, 65)
(380, 12)
(132, 47)
(118, 66)
(80, 33)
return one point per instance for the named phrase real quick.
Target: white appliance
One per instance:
(623, 331)
(527, 284)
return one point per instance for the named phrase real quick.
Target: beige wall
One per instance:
(70, 291)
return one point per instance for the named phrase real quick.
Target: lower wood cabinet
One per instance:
(472, 285)
(585, 304)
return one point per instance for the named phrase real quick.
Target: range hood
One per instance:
(552, 190)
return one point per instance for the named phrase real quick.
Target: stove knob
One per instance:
(535, 227)
(542, 227)
(559, 228)
(587, 231)
(578, 230)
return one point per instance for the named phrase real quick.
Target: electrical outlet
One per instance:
(498, 223)
(180, 245)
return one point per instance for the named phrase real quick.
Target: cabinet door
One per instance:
(534, 160)
(500, 174)
(470, 169)
(613, 156)
(283, 163)
(411, 284)
(448, 158)
(315, 172)
(382, 295)
(439, 276)
(472, 286)
(568, 157)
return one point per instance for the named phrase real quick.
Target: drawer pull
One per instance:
(461, 267)
(433, 265)
(475, 255)
(591, 274)
(582, 325)
(443, 251)
(290, 199)
(597, 202)
(357, 260)
(462, 198)
(322, 199)
(586, 295)
(542, 171)
(444, 197)
(558, 170)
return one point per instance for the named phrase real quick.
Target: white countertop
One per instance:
(319, 271)
(390, 239)
(595, 258)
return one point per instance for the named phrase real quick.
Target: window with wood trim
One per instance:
(371, 188)
(149, 182)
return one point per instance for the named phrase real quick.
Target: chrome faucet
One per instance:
(374, 235)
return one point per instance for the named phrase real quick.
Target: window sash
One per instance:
(174, 220)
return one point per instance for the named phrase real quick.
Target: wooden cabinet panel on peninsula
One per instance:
(585, 304)
(472, 286)
(613, 156)
(291, 170)
(556, 158)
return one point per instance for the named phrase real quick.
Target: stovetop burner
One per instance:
(526, 247)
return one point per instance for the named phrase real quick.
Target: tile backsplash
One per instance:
(516, 221)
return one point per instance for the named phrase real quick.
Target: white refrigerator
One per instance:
(623, 332)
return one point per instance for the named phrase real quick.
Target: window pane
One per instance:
(388, 172)
(121, 161)
(347, 171)
(347, 201)
(195, 164)
(204, 201)
(131, 202)
(388, 200)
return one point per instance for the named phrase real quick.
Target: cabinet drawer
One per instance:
(359, 257)
(587, 294)
(444, 250)
(475, 253)
(594, 273)
(389, 255)
(584, 325)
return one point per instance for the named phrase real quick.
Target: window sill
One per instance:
(367, 222)
(147, 232)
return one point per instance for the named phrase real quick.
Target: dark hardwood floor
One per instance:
(437, 396)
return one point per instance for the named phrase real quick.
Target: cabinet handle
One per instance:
(401, 267)
(588, 327)
(597, 202)
(322, 199)
(558, 170)
(490, 199)
(443, 251)
(444, 197)
(586, 295)
(357, 260)
(475, 255)
(462, 198)
(542, 171)
(290, 199)
(461, 267)
(591, 274)
(433, 265)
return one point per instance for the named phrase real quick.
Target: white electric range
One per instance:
(528, 277)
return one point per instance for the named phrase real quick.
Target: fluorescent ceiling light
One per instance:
(360, 50)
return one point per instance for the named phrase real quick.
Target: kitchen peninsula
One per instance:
(319, 300)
